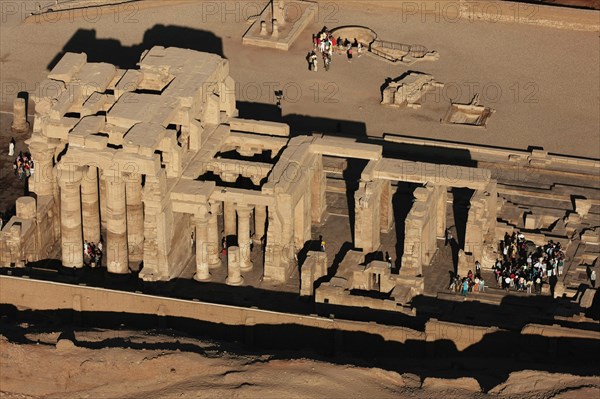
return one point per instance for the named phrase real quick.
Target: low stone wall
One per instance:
(363, 34)
(25, 294)
(534, 158)
(461, 335)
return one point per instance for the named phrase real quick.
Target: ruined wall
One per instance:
(367, 225)
(288, 182)
(339, 296)
(318, 190)
(480, 237)
(421, 227)
(313, 268)
(155, 253)
(280, 239)
(461, 335)
(24, 293)
(19, 238)
(386, 210)
(180, 253)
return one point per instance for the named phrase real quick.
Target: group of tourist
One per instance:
(470, 283)
(325, 44)
(521, 268)
(23, 165)
(524, 269)
(92, 253)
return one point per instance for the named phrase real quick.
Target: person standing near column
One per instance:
(11, 147)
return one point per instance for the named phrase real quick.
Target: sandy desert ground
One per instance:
(140, 365)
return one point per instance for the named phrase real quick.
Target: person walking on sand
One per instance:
(313, 61)
(326, 61)
(11, 147)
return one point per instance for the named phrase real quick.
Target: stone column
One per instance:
(229, 219)
(41, 182)
(213, 237)
(318, 187)
(260, 222)
(279, 11)
(90, 205)
(367, 224)
(71, 238)
(243, 212)
(386, 209)
(275, 33)
(234, 276)
(56, 196)
(102, 191)
(441, 204)
(117, 258)
(135, 217)
(202, 243)
(19, 115)
(26, 208)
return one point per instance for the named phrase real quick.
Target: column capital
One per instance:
(201, 213)
(214, 206)
(244, 209)
(132, 177)
(40, 150)
(69, 174)
(112, 176)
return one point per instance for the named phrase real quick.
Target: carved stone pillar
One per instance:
(229, 219)
(244, 240)
(41, 182)
(102, 192)
(20, 123)
(234, 275)
(71, 238)
(260, 222)
(213, 237)
(90, 205)
(202, 268)
(135, 217)
(117, 257)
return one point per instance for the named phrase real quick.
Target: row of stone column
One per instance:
(81, 218)
(207, 239)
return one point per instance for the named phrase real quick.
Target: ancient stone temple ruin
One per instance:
(156, 162)
(408, 90)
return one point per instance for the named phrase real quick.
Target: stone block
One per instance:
(530, 222)
(587, 299)
(129, 82)
(582, 206)
(94, 77)
(26, 207)
(259, 127)
(68, 66)
(60, 129)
